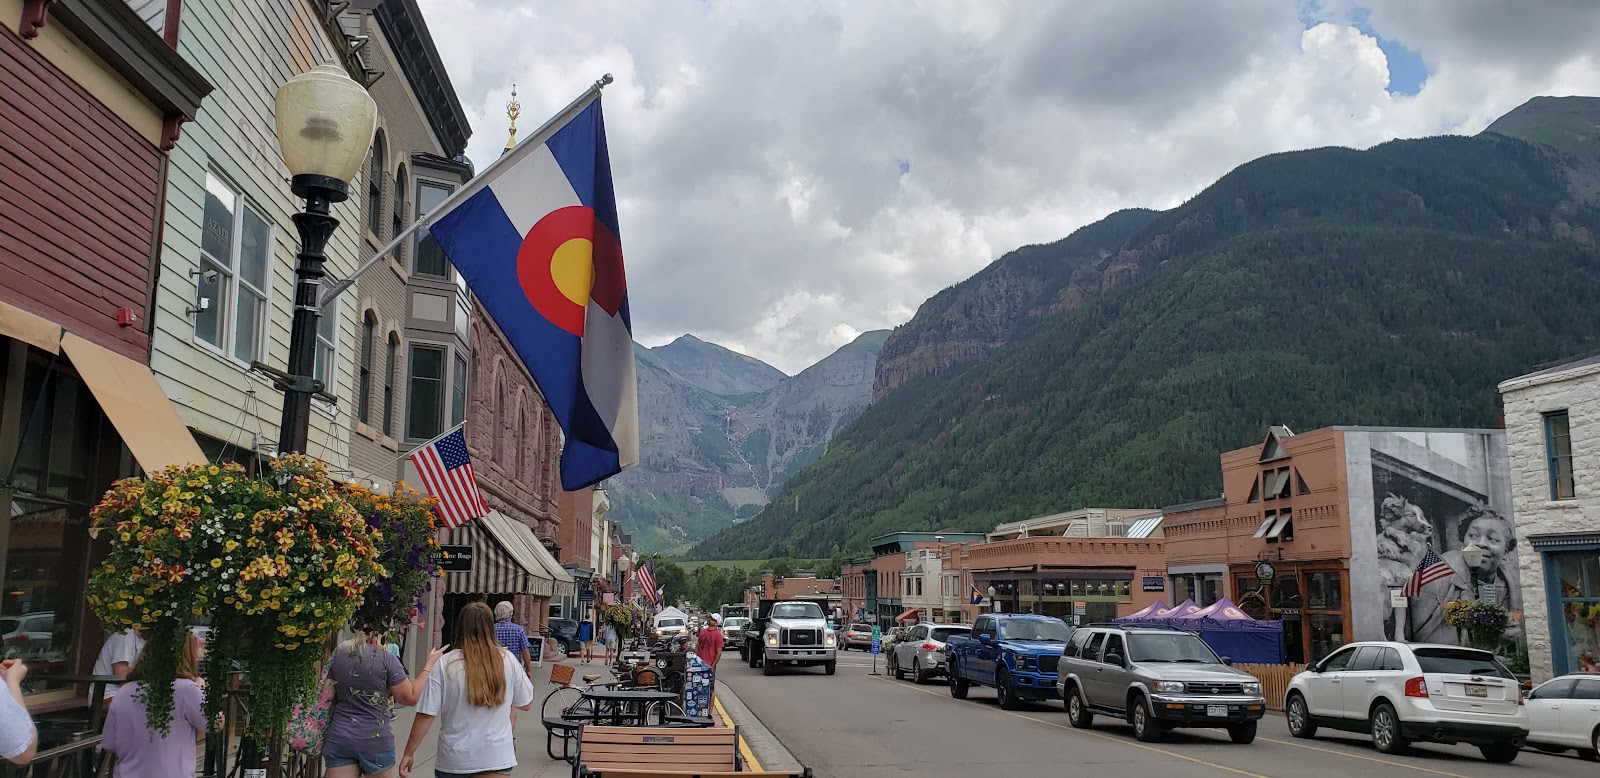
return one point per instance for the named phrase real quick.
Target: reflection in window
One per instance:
(1327, 634)
(428, 258)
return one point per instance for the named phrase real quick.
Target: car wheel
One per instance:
(1077, 712)
(566, 649)
(1499, 753)
(830, 667)
(917, 675)
(1299, 717)
(1243, 734)
(894, 667)
(769, 668)
(1589, 754)
(754, 657)
(958, 685)
(1386, 735)
(1003, 693)
(1145, 725)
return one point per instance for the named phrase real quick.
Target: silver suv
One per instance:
(1156, 678)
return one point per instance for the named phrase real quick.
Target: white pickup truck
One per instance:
(790, 633)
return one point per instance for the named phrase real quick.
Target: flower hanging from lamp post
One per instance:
(325, 122)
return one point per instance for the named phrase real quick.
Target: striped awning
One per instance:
(495, 569)
(518, 538)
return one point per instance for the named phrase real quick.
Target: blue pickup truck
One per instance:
(1016, 653)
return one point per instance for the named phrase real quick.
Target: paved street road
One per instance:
(854, 724)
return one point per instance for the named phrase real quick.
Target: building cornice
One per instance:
(403, 26)
(132, 49)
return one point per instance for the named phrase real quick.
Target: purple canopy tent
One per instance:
(1144, 614)
(1232, 633)
(1183, 610)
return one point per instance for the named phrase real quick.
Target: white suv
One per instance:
(1401, 692)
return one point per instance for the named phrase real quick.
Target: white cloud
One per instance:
(759, 147)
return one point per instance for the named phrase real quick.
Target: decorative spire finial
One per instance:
(513, 110)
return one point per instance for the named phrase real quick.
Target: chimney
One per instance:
(766, 585)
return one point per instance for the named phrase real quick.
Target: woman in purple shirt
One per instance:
(367, 681)
(143, 752)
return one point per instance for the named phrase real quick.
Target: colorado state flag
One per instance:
(977, 596)
(537, 241)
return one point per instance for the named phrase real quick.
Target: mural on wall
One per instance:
(1440, 490)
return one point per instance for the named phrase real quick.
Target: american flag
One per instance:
(1430, 569)
(647, 579)
(446, 473)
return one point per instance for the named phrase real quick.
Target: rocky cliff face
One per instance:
(721, 432)
(966, 322)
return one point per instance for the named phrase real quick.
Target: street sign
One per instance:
(877, 645)
(1080, 608)
(455, 559)
(587, 595)
(877, 632)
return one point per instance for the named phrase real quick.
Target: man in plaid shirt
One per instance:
(513, 636)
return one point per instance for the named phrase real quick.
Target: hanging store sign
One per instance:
(455, 559)
(1155, 583)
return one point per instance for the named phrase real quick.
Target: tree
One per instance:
(671, 577)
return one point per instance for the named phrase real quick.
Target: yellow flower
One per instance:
(230, 545)
(138, 600)
(214, 470)
(215, 562)
(120, 604)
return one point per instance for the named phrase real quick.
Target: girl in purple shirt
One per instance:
(143, 752)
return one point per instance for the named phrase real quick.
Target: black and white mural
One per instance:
(1415, 490)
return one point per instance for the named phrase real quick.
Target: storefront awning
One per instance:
(28, 328)
(496, 566)
(506, 532)
(910, 614)
(133, 401)
(520, 538)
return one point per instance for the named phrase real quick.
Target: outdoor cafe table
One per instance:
(625, 707)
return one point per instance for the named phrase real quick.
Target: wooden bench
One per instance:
(659, 752)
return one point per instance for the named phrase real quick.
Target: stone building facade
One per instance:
(1552, 420)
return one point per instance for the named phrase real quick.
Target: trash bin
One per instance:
(697, 688)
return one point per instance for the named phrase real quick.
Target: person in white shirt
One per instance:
(117, 657)
(18, 737)
(472, 694)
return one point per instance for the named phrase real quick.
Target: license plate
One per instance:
(1477, 690)
(1216, 710)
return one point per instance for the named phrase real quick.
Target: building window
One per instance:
(502, 406)
(428, 256)
(369, 331)
(235, 249)
(525, 459)
(397, 216)
(1203, 588)
(375, 187)
(390, 367)
(327, 347)
(1558, 447)
(425, 392)
(458, 392)
(919, 587)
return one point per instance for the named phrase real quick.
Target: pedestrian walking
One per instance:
(117, 657)
(512, 636)
(586, 638)
(472, 695)
(142, 751)
(19, 738)
(613, 646)
(367, 681)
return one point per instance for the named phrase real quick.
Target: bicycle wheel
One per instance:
(559, 701)
(660, 713)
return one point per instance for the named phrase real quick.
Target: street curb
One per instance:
(768, 751)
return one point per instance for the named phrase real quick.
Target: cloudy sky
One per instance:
(791, 174)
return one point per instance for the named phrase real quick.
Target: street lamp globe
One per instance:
(624, 564)
(1472, 555)
(991, 592)
(325, 123)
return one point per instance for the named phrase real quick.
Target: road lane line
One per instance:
(1363, 757)
(1111, 738)
(750, 760)
(1091, 733)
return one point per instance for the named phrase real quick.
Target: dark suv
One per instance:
(565, 631)
(1156, 678)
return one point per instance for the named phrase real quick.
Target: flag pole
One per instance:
(533, 141)
(421, 446)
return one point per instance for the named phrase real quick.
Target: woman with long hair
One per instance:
(472, 695)
(142, 751)
(367, 682)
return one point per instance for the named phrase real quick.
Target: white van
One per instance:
(671, 623)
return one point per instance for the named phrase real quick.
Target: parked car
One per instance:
(921, 653)
(1156, 678)
(1564, 713)
(858, 636)
(32, 628)
(1401, 692)
(565, 631)
(1015, 653)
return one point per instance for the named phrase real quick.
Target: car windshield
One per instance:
(1460, 661)
(1035, 629)
(943, 634)
(670, 623)
(1169, 647)
(733, 623)
(797, 610)
(860, 628)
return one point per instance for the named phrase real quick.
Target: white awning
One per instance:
(505, 533)
(525, 546)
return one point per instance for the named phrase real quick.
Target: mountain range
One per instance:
(721, 432)
(1390, 286)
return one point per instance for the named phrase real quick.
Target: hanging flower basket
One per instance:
(1483, 622)
(403, 526)
(278, 563)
